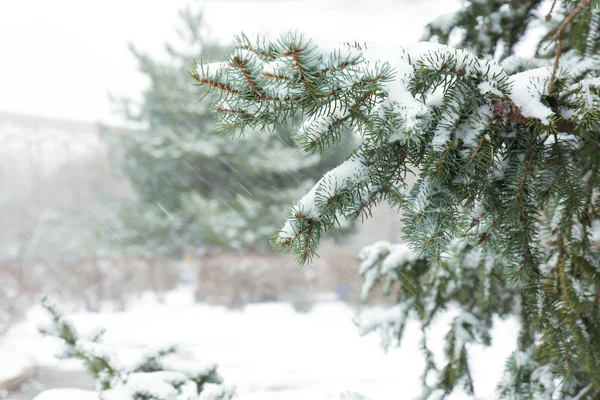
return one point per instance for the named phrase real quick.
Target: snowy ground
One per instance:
(268, 351)
(15, 368)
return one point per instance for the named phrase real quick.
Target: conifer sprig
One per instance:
(155, 376)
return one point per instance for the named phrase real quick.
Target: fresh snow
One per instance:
(391, 257)
(13, 364)
(155, 384)
(441, 135)
(213, 70)
(431, 54)
(271, 352)
(527, 90)
(471, 131)
(421, 200)
(488, 87)
(348, 396)
(595, 231)
(465, 59)
(318, 125)
(445, 22)
(67, 394)
(400, 253)
(216, 392)
(347, 174)
(461, 334)
(372, 320)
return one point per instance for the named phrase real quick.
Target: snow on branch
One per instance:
(507, 169)
(390, 323)
(527, 90)
(427, 97)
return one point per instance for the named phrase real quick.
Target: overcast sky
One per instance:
(60, 58)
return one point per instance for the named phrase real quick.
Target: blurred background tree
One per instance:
(196, 191)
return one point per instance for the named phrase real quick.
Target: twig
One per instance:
(558, 36)
(561, 29)
(557, 55)
(549, 15)
(565, 96)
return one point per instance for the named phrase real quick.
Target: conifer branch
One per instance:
(558, 53)
(275, 76)
(558, 38)
(549, 15)
(242, 66)
(491, 189)
(257, 52)
(126, 383)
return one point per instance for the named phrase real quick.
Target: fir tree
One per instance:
(503, 218)
(156, 375)
(193, 189)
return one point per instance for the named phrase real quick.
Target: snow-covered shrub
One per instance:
(156, 375)
(235, 280)
(96, 281)
(89, 282)
(242, 278)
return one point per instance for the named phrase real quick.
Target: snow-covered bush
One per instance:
(504, 215)
(96, 281)
(92, 282)
(235, 280)
(238, 279)
(156, 375)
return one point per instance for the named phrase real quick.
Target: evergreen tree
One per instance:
(156, 375)
(193, 189)
(503, 217)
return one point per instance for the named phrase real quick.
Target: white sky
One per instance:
(60, 58)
